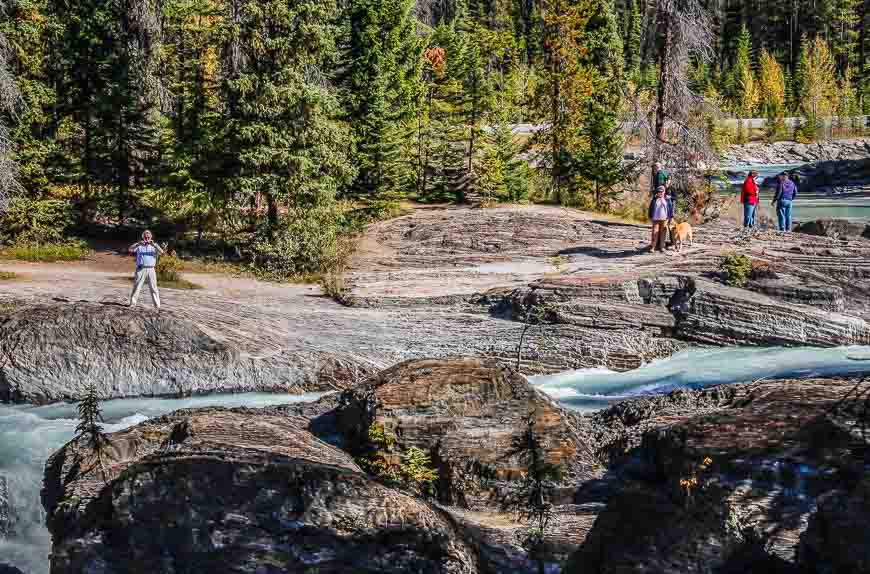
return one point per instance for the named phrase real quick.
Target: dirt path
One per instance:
(412, 279)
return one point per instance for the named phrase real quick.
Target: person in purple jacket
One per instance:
(786, 192)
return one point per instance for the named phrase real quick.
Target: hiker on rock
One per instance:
(147, 252)
(662, 179)
(786, 192)
(660, 212)
(749, 199)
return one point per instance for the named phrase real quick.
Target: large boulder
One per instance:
(836, 540)
(50, 352)
(217, 490)
(713, 313)
(467, 414)
(836, 228)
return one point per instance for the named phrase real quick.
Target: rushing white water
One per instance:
(28, 436)
(592, 389)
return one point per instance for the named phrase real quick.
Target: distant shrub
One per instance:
(29, 221)
(169, 268)
(736, 269)
(62, 250)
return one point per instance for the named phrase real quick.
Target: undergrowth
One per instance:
(65, 250)
(735, 269)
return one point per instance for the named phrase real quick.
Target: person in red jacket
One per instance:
(749, 199)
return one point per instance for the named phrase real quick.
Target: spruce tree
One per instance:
(287, 143)
(384, 67)
(90, 430)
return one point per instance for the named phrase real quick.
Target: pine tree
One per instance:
(633, 40)
(558, 102)
(384, 56)
(283, 128)
(600, 161)
(746, 94)
(90, 430)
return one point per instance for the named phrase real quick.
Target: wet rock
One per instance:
(466, 413)
(836, 539)
(713, 313)
(7, 517)
(836, 228)
(237, 491)
(52, 351)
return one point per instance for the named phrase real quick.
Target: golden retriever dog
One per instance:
(681, 232)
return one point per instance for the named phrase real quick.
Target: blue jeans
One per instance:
(748, 215)
(783, 214)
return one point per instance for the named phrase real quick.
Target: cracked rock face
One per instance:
(51, 352)
(7, 518)
(466, 413)
(217, 490)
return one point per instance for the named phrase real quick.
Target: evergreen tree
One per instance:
(600, 161)
(384, 57)
(634, 39)
(90, 430)
(559, 98)
(283, 128)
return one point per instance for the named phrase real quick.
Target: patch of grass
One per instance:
(168, 269)
(7, 275)
(72, 250)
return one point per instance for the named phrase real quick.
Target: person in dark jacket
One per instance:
(749, 199)
(786, 192)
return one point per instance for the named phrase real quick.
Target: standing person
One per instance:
(663, 179)
(795, 179)
(659, 212)
(749, 199)
(786, 192)
(146, 252)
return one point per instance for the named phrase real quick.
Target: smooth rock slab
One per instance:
(51, 352)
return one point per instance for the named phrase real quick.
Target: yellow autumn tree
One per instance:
(847, 103)
(818, 85)
(771, 82)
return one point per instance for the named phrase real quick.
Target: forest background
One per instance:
(267, 132)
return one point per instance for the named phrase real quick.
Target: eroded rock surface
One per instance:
(466, 413)
(217, 490)
(762, 457)
(50, 352)
(713, 313)
(7, 516)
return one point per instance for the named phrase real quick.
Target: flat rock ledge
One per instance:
(51, 352)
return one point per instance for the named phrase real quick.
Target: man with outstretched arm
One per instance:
(147, 252)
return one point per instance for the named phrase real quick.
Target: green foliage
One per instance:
(303, 242)
(62, 250)
(736, 269)
(7, 275)
(89, 429)
(168, 268)
(36, 220)
(414, 469)
(383, 92)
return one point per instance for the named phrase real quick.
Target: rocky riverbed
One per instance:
(789, 152)
(779, 471)
(330, 485)
(435, 283)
